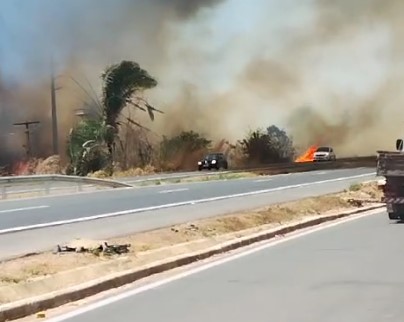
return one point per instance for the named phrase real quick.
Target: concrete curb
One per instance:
(24, 308)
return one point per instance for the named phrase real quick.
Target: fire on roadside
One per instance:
(308, 155)
(20, 168)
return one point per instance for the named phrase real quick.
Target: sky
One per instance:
(230, 65)
(30, 31)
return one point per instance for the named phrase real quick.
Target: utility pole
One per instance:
(27, 133)
(55, 137)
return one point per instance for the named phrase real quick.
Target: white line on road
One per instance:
(174, 190)
(22, 209)
(264, 180)
(204, 267)
(176, 204)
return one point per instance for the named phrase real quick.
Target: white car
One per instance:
(324, 153)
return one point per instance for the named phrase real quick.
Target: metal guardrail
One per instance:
(292, 166)
(64, 178)
(273, 168)
(313, 166)
(43, 184)
(356, 161)
(35, 185)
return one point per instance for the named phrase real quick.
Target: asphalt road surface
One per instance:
(281, 188)
(17, 213)
(350, 272)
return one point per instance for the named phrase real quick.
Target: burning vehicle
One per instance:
(324, 153)
(316, 154)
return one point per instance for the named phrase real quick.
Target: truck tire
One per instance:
(394, 216)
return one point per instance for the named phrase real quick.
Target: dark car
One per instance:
(213, 161)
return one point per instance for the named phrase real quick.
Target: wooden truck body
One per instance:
(390, 165)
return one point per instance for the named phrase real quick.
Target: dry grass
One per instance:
(47, 272)
(213, 177)
(51, 165)
(134, 172)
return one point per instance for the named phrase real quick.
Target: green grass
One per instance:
(355, 187)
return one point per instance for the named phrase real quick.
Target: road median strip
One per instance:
(208, 238)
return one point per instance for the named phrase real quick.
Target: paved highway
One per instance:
(283, 188)
(64, 208)
(348, 272)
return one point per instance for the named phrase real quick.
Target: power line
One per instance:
(27, 134)
(55, 137)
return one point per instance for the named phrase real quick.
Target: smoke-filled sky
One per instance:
(328, 71)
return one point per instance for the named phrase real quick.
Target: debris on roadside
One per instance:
(355, 202)
(193, 227)
(94, 248)
(41, 315)
(361, 202)
(189, 228)
(194, 230)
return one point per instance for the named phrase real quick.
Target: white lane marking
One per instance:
(174, 190)
(176, 204)
(264, 180)
(204, 267)
(320, 173)
(22, 209)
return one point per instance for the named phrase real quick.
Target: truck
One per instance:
(390, 165)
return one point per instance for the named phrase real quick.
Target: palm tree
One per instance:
(122, 83)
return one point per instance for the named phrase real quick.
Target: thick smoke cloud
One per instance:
(81, 37)
(357, 46)
(327, 70)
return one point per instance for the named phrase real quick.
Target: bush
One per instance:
(282, 143)
(270, 146)
(86, 149)
(183, 150)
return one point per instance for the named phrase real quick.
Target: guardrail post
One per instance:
(47, 187)
(80, 187)
(4, 192)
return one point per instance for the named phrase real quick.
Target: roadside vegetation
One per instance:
(110, 140)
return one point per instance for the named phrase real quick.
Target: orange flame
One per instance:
(21, 168)
(307, 156)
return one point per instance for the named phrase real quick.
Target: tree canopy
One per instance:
(270, 146)
(122, 85)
